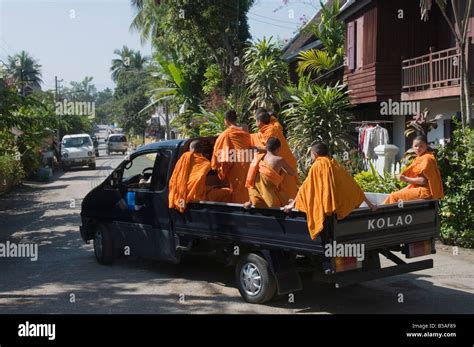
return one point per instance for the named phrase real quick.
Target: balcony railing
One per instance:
(435, 70)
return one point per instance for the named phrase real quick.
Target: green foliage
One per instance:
(317, 114)
(330, 32)
(209, 123)
(456, 163)
(10, 168)
(371, 181)
(421, 123)
(266, 73)
(127, 60)
(24, 69)
(213, 79)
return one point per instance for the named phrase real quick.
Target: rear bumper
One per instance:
(78, 161)
(351, 277)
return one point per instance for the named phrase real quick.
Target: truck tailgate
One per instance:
(390, 225)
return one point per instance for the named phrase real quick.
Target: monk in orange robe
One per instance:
(423, 175)
(188, 181)
(232, 157)
(327, 189)
(264, 178)
(270, 127)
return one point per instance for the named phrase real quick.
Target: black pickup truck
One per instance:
(270, 249)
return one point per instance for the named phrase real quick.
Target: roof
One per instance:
(305, 39)
(161, 144)
(76, 135)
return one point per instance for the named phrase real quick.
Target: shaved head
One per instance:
(196, 146)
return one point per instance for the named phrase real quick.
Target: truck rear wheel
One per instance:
(254, 279)
(103, 245)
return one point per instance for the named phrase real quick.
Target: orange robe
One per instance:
(425, 165)
(289, 185)
(327, 189)
(231, 159)
(188, 182)
(263, 184)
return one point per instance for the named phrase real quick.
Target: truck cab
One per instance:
(77, 150)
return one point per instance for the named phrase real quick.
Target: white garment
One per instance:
(373, 137)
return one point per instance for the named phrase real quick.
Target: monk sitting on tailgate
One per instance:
(264, 177)
(327, 189)
(423, 176)
(188, 181)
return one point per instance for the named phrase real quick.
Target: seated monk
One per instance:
(232, 157)
(270, 127)
(188, 181)
(264, 178)
(423, 176)
(327, 189)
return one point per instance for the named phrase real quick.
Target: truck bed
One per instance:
(272, 228)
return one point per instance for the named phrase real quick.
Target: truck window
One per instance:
(162, 166)
(141, 167)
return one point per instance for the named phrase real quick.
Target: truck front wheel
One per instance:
(103, 246)
(255, 281)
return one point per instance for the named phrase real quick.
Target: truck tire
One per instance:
(254, 279)
(92, 166)
(103, 245)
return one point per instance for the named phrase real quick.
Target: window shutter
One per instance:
(351, 45)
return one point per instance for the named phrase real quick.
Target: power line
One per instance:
(270, 18)
(276, 25)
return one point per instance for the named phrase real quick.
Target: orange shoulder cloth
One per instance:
(188, 181)
(327, 189)
(259, 165)
(425, 165)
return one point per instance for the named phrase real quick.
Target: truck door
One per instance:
(142, 219)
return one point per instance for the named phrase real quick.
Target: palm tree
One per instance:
(128, 60)
(330, 32)
(24, 69)
(145, 20)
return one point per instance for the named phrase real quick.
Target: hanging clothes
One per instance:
(371, 137)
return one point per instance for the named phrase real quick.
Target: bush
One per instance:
(10, 168)
(456, 162)
(371, 181)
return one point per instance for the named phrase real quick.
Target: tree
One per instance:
(459, 27)
(266, 73)
(84, 90)
(198, 30)
(317, 114)
(24, 69)
(128, 59)
(330, 32)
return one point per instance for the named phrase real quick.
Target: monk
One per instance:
(188, 181)
(423, 176)
(270, 127)
(327, 189)
(264, 178)
(232, 157)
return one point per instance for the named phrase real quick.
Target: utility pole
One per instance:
(57, 86)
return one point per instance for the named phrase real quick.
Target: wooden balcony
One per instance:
(433, 75)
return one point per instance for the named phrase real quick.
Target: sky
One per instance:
(72, 39)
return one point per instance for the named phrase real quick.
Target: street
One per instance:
(67, 279)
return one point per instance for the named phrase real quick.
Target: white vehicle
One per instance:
(117, 143)
(77, 150)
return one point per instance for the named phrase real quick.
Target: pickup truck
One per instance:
(270, 249)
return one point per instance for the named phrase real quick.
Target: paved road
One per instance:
(67, 279)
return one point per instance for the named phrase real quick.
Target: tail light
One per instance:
(418, 249)
(347, 264)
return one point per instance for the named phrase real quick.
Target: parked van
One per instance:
(117, 143)
(77, 150)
